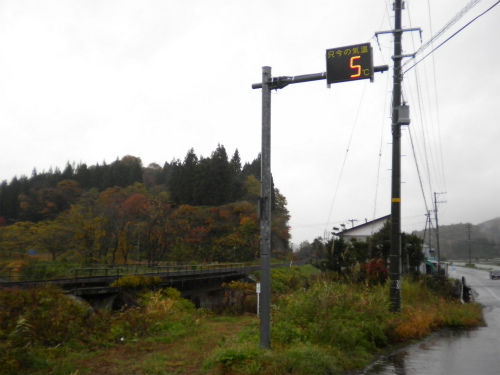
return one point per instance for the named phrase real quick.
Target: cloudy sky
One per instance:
(94, 80)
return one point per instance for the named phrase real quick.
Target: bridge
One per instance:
(200, 283)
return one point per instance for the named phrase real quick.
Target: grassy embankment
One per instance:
(319, 327)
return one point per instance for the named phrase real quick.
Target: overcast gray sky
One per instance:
(94, 80)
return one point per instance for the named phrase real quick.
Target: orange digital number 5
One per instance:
(356, 68)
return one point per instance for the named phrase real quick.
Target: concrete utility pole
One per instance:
(437, 230)
(400, 116)
(395, 253)
(428, 222)
(437, 233)
(265, 213)
(469, 228)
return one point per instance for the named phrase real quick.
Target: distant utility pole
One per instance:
(437, 229)
(352, 222)
(469, 228)
(428, 222)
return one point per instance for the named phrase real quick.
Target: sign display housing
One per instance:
(349, 63)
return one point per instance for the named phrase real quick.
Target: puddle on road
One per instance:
(447, 352)
(451, 352)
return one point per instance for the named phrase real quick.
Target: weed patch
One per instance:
(318, 327)
(334, 327)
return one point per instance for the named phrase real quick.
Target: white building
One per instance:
(363, 231)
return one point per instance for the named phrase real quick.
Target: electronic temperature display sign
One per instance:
(349, 63)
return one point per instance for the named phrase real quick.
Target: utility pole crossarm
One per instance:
(398, 31)
(283, 81)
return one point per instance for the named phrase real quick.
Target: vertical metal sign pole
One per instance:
(265, 213)
(395, 254)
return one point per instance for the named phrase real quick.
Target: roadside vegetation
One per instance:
(334, 327)
(321, 325)
(199, 210)
(124, 219)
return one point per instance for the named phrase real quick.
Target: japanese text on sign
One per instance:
(349, 63)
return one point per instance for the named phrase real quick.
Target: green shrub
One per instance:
(463, 315)
(15, 360)
(35, 318)
(304, 359)
(136, 281)
(285, 332)
(245, 359)
(343, 315)
(45, 270)
(239, 297)
(440, 285)
(287, 279)
(44, 316)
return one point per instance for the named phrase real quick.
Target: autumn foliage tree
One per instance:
(198, 210)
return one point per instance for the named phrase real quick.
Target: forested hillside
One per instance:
(199, 209)
(454, 240)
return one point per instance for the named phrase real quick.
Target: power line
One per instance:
(437, 160)
(418, 171)
(438, 117)
(334, 198)
(452, 36)
(450, 23)
(423, 120)
(377, 182)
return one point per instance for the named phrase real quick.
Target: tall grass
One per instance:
(319, 326)
(333, 327)
(36, 322)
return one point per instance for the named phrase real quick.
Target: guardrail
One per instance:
(139, 269)
(118, 271)
(106, 274)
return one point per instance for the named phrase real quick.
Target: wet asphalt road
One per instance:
(475, 352)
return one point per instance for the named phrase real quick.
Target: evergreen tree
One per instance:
(220, 178)
(82, 176)
(68, 172)
(237, 179)
(252, 168)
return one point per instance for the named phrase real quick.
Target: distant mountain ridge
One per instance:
(491, 228)
(454, 240)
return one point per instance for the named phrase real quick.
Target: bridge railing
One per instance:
(141, 269)
(106, 274)
(117, 271)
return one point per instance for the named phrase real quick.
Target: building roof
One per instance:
(366, 229)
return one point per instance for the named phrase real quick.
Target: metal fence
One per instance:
(131, 269)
